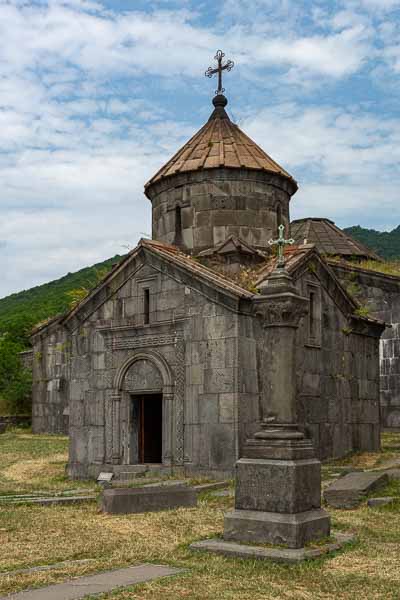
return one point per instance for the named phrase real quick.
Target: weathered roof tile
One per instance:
(219, 143)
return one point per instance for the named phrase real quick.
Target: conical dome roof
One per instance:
(219, 143)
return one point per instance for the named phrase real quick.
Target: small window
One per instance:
(178, 224)
(311, 316)
(146, 306)
(314, 315)
(278, 217)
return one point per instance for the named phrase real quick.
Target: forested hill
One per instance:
(385, 243)
(32, 306)
(26, 309)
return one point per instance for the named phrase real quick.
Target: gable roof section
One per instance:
(306, 257)
(328, 238)
(131, 264)
(298, 259)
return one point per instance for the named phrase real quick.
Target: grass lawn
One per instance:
(34, 535)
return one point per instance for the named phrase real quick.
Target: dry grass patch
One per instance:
(35, 470)
(36, 535)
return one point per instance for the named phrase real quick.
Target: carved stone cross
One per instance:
(281, 243)
(228, 66)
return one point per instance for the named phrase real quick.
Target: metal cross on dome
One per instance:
(228, 66)
(281, 243)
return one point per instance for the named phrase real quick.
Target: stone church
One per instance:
(378, 292)
(164, 365)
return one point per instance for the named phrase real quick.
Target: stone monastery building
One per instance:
(165, 363)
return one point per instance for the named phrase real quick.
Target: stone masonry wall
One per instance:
(379, 294)
(219, 203)
(196, 339)
(50, 388)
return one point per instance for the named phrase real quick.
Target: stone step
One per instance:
(350, 490)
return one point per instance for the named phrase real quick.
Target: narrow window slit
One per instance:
(178, 224)
(146, 306)
(312, 315)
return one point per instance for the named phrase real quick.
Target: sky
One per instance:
(96, 95)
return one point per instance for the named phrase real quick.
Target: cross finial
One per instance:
(281, 243)
(228, 66)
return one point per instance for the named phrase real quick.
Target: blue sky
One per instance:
(96, 95)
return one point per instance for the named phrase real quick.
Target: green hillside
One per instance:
(25, 309)
(385, 243)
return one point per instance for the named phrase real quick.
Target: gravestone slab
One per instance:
(393, 473)
(104, 477)
(139, 500)
(349, 491)
(372, 502)
(81, 587)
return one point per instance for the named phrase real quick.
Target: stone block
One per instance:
(373, 502)
(282, 486)
(349, 491)
(290, 530)
(393, 474)
(208, 408)
(278, 555)
(226, 408)
(221, 446)
(141, 500)
(219, 380)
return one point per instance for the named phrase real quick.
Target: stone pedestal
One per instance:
(278, 478)
(278, 499)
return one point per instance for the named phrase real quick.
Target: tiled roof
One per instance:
(219, 143)
(328, 238)
(293, 256)
(179, 258)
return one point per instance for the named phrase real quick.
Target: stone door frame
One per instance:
(121, 412)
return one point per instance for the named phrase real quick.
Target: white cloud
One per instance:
(79, 135)
(346, 161)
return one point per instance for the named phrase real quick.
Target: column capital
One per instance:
(279, 303)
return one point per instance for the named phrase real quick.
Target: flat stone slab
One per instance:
(208, 487)
(81, 587)
(372, 502)
(50, 501)
(349, 491)
(120, 501)
(393, 473)
(280, 555)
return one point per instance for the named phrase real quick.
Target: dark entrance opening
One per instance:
(147, 427)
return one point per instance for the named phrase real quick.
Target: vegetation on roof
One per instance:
(384, 267)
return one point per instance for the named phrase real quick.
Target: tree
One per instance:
(15, 381)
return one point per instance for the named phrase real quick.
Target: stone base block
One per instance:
(279, 486)
(119, 501)
(290, 530)
(281, 555)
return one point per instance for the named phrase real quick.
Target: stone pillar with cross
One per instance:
(281, 243)
(278, 478)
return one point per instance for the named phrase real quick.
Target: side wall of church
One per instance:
(337, 379)
(379, 296)
(337, 376)
(212, 205)
(50, 387)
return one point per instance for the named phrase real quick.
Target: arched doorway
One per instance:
(145, 388)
